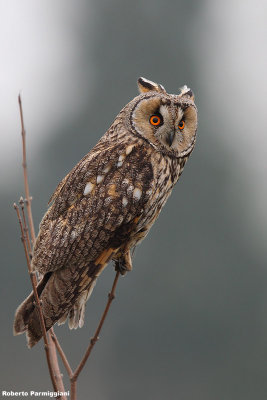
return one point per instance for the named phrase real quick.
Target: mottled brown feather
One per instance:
(107, 203)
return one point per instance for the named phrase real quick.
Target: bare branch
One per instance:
(36, 297)
(50, 349)
(62, 354)
(25, 173)
(26, 230)
(95, 338)
(54, 361)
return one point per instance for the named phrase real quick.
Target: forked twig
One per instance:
(94, 339)
(62, 354)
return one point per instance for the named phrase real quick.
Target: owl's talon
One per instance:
(124, 263)
(120, 267)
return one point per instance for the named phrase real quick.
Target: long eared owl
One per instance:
(107, 203)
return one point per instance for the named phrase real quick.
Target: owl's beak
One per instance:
(170, 138)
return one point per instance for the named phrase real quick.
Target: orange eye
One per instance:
(155, 120)
(181, 125)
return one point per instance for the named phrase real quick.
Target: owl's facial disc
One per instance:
(172, 123)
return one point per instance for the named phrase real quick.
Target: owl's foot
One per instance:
(124, 263)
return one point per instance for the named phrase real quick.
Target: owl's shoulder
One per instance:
(106, 165)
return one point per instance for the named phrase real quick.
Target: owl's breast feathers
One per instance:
(94, 207)
(108, 197)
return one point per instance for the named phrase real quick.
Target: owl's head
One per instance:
(167, 121)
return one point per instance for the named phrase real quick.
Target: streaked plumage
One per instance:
(108, 202)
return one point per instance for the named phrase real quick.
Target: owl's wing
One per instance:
(96, 206)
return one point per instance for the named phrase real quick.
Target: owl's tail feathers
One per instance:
(26, 308)
(22, 315)
(61, 298)
(63, 293)
(76, 313)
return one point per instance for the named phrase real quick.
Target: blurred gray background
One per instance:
(189, 322)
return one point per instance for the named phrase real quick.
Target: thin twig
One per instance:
(26, 230)
(25, 173)
(94, 339)
(54, 361)
(50, 349)
(37, 300)
(62, 354)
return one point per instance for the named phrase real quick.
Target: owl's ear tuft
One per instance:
(145, 85)
(187, 92)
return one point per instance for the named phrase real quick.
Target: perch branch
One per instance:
(94, 339)
(37, 300)
(62, 354)
(50, 349)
